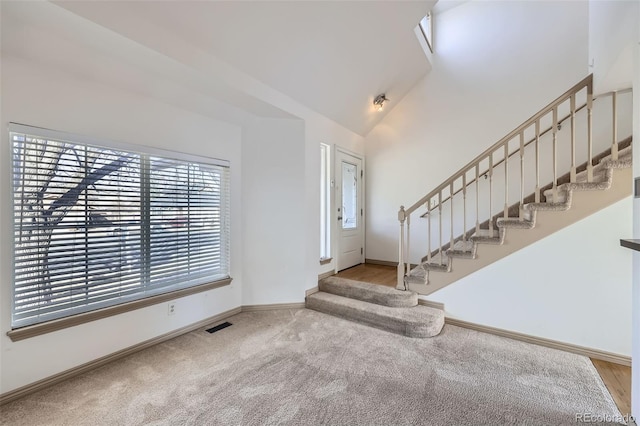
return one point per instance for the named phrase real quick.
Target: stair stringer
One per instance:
(544, 219)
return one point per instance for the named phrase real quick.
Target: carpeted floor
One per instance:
(302, 367)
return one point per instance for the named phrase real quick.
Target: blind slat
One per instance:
(97, 225)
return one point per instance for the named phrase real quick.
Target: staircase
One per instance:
(376, 305)
(507, 198)
(496, 204)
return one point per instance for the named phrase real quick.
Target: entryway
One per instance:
(349, 177)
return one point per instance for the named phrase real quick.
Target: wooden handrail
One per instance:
(586, 82)
(501, 150)
(517, 150)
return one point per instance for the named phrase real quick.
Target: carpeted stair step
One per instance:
(417, 321)
(466, 246)
(372, 293)
(514, 223)
(600, 176)
(485, 236)
(420, 274)
(463, 250)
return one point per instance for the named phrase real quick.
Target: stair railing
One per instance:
(485, 166)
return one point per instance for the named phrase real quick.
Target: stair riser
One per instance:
(368, 292)
(372, 319)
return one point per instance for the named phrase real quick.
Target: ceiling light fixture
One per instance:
(379, 101)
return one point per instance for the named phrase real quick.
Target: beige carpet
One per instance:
(302, 367)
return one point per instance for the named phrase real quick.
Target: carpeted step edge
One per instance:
(418, 321)
(367, 292)
(462, 254)
(420, 274)
(514, 223)
(602, 176)
(481, 239)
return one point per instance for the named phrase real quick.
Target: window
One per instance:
(426, 26)
(100, 225)
(349, 195)
(325, 194)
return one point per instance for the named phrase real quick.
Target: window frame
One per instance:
(426, 27)
(325, 204)
(22, 332)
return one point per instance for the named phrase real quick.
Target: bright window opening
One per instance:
(426, 27)
(325, 204)
(97, 225)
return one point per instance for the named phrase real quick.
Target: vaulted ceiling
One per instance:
(333, 57)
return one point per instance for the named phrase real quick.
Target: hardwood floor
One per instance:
(376, 274)
(617, 378)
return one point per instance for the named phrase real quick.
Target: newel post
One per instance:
(401, 217)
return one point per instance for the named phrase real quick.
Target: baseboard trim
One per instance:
(75, 371)
(325, 275)
(386, 263)
(431, 304)
(380, 262)
(72, 372)
(554, 344)
(272, 307)
(311, 291)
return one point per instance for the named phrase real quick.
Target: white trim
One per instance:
(541, 341)
(91, 365)
(72, 372)
(312, 290)
(381, 262)
(325, 275)
(75, 371)
(272, 307)
(431, 304)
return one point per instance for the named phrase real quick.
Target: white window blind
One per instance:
(97, 226)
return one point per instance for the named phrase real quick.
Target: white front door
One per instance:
(350, 235)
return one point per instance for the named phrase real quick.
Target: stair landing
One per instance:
(377, 306)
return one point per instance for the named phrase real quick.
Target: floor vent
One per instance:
(219, 327)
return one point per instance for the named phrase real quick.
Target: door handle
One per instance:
(339, 217)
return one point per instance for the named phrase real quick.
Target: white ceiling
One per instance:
(49, 36)
(333, 57)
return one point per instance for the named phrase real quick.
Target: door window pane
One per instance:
(349, 195)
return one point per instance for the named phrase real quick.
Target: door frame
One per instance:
(337, 201)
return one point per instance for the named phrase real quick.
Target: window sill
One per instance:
(325, 260)
(62, 323)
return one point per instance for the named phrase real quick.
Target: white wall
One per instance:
(38, 95)
(281, 261)
(273, 221)
(492, 69)
(319, 129)
(573, 286)
(613, 26)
